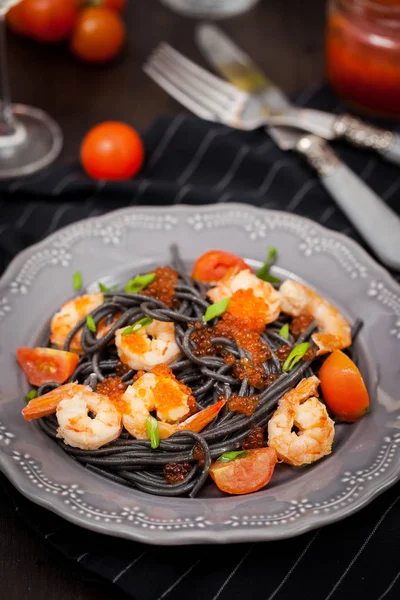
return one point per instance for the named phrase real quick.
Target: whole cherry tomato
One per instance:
(343, 387)
(213, 265)
(112, 150)
(15, 18)
(99, 35)
(48, 20)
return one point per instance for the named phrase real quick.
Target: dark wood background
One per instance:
(286, 39)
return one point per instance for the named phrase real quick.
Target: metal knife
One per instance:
(375, 221)
(238, 68)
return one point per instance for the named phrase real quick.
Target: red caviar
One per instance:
(163, 287)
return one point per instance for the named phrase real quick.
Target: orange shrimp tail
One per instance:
(47, 404)
(194, 423)
(198, 421)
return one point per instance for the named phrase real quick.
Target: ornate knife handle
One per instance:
(375, 221)
(367, 136)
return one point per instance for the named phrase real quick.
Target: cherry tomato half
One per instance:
(48, 20)
(42, 365)
(213, 265)
(245, 475)
(99, 35)
(112, 150)
(343, 387)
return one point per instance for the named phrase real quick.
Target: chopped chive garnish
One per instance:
(216, 310)
(91, 324)
(137, 284)
(296, 354)
(31, 395)
(284, 331)
(103, 288)
(152, 432)
(77, 280)
(263, 272)
(229, 456)
(136, 326)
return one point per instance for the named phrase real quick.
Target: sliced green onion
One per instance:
(216, 310)
(284, 331)
(136, 326)
(32, 394)
(103, 288)
(296, 354)
(152, 432)
(263, 272)
(77, 280)
(229, 456)
(91, 324)
(139, 283)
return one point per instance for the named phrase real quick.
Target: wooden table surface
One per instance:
(285, 38)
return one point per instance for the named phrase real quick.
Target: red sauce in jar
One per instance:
(363, 54)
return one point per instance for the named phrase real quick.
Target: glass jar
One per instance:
(210, 9)
(363, 54)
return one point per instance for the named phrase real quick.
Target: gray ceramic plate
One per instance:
(366, 456)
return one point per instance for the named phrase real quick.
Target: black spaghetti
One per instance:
(213, 362)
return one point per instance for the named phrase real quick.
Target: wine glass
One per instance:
(29, 138)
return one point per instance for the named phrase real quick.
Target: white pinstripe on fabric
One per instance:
(233, 573)
(362, 548)
(19, 183)
(390, 587)
(64, 183)
(369, 167)
(391, 189)
(229, 175)
(194, 163)
(165, 140)
(292, 568)
(181, 194)
(29, 210)
(129, 566)
(266, 184)
(224, 198)
(177, 582)
(327, 214)
(142, 187)
(61, 210)
(49, 534)
(301, 194)
(81, 556)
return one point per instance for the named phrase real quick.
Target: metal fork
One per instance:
(213, 99)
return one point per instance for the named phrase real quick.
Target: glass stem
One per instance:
(7, 122)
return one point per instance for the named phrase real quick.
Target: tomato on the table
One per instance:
(343, 387)
(15, 19)
(48, 20)
(99, 34)
(42, 365)
(213, 265)
(112, 150)
(247, 474)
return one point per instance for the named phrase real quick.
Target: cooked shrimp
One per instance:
(298, 299)
(80, 430)
(235, 280)
(69, 315)
(149, 346)
(172, 401)
(300, 408)
(45, 405)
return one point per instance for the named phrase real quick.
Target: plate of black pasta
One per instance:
(228, 377)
